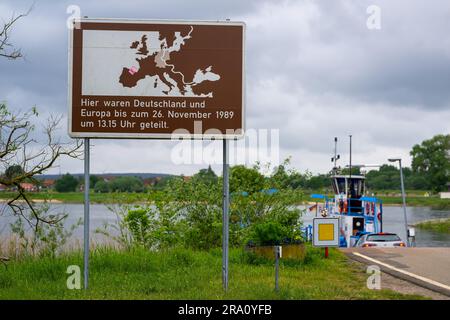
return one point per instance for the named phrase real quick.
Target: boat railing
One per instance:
(370, 206)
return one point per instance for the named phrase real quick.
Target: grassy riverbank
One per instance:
(78, 197)
(186, 274)
(438, 225)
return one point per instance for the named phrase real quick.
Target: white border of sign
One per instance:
(316, 242)
(116, 135)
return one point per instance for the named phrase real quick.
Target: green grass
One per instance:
(187, 274)
(438, 225)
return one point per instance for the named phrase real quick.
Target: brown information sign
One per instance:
(154, 79)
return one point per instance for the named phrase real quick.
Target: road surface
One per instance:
(426, 267)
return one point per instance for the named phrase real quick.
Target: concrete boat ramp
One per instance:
(428, 268)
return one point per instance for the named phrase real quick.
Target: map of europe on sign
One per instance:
(140, 64)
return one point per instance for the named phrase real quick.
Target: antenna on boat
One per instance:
(350, 164)
(336, 156)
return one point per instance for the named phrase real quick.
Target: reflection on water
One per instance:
(392, 221)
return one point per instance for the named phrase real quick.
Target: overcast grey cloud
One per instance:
(314, 71)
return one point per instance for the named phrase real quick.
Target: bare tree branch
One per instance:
(7, 49)
(19, 148)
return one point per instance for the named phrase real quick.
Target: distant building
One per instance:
(48, 183)
(29, 187)
(445, 195)
(3, 187)
(151, 182)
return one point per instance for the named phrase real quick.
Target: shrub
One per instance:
(268, 233)
(126, 184)
(101, 187)
(67, 183)
(189, 213)
(139, 223)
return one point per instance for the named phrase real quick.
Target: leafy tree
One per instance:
(14, 171)
(387, 177)
(126, 184)
(208, 176)
(102, 187)
(355, 171)
(189, 213)
(93, 179)
(318, 182)
(67, 183)
(296, 180)
(243, 179)
(161, 184)
(281, 175)
(417, 181)
(432, 159)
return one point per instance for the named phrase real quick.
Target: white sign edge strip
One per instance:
(438, 284)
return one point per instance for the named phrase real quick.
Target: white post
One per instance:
(404, 201)
(86, 212)
(226, 201)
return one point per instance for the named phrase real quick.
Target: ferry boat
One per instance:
(358, 213)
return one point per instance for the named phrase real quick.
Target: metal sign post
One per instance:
(277, 266)
(86, 212)
(226, 201)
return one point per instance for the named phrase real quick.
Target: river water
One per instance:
(393, 221)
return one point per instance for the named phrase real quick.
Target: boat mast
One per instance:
(336, 156)
(350, 164)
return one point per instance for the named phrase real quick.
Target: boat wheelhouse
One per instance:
(358, 214)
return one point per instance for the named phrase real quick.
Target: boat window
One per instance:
(356, 188)
(360, 188)
(335, 188)
(340, 182)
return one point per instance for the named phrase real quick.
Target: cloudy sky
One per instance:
(314, 70)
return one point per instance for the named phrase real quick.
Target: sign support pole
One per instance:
(225, 209)
(277, 267)
(86, 212)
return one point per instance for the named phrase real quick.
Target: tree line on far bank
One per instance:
(430, 170)
(69, 183)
